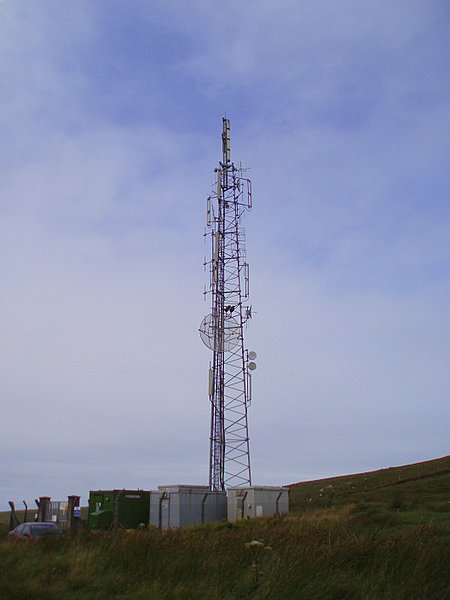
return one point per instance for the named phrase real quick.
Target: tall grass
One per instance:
(351, 552)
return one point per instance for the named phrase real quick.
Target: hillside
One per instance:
(424, 485)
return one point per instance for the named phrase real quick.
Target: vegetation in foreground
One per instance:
(380, 547)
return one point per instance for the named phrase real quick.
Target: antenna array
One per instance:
(222, 331)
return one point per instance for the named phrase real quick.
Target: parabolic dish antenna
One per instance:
(252, 366)
(252, 355)
(210, 334)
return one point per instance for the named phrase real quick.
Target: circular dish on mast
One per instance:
(210, 334)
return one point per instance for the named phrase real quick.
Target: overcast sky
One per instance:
(110, 122)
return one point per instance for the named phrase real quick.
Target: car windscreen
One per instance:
(43, 529)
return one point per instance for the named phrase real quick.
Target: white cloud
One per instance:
(341, 115)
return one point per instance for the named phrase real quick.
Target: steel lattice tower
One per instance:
(222, 330)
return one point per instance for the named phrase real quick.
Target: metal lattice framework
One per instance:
(222, 330)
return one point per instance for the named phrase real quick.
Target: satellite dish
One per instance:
(252, 355)
(210, 334)
(252, 366)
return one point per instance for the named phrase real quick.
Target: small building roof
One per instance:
(183, 487)
(275, 488)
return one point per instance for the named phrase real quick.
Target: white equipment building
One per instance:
(257, 501)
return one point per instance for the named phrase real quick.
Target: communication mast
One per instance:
(222, 331)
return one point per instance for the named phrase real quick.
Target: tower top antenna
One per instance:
(226, 141)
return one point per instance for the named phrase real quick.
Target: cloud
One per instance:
(111, 128)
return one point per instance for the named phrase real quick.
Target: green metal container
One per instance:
(118, 508)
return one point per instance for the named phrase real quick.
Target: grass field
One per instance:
(384, 535)
(424, 485)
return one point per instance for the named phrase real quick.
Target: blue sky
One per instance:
(110, 118)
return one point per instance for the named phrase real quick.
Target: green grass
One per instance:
(420, 486)
(389, 541)
(347, 552)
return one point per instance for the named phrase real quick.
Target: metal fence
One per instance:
(57, 512)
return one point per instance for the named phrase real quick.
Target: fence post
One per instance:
(43, 508)
(13, 520)
(73, 502)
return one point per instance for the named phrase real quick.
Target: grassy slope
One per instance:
(386, 536)
(423, 485)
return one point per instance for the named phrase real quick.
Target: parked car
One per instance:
(33, 531)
